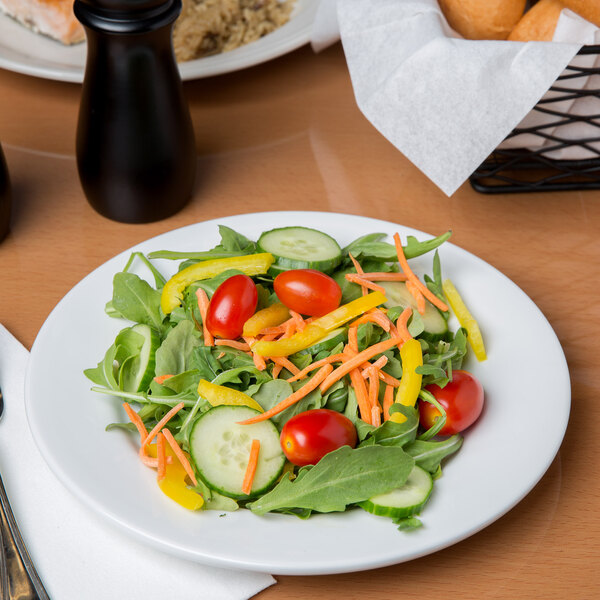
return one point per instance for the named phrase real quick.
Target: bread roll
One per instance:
(588, 9)
(53, 18)
(538, 23)
(483, 19)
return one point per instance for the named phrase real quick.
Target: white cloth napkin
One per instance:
(446, 103)
(77, 555)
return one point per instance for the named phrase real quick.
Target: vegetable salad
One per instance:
(289, 374)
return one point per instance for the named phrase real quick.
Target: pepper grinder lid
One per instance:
(123, 16)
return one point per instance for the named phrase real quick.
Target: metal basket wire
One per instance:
(523, 170)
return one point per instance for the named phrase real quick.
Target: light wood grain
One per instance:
(288, 135)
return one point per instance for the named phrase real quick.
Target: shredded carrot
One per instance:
(388, 379)
(259, 361)
(362, 395)
(402, 324)
(137, 421)
(316, 365)
(203, 303)
(372, 368)
(376, 416)
(276, 371)
(308, 387)
(298, 320)
(358, 360)
(415, 292)
(268, 337)
(374, 393)
(161, 424)
(359, 271)
(286, 363)
(412, 277)
(162, 378)
(149, 461)
(388, 400)
(251, 468)
(221, 355)
(375, 316)
(272, 330)
(233, 344)
(290, 330)
(160, 453)
(353, 338)
(377, 276)
(364, 283)
(185, 463)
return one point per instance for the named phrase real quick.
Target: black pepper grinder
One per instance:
(136, 153)
(5, 200)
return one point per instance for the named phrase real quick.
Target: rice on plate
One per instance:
(207, 27)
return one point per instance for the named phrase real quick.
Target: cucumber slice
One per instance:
(220, 448)
(301, 248)
(404, 501)
(332, 339)
(141, 371)
(398, 295)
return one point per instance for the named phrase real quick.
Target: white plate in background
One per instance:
(24, 51)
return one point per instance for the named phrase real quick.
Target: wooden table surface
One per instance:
(288, 134)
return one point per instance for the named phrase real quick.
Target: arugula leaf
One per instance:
(119, 367)
(174, 354)
(233, 375)
(341, 478)
(208, 366)
(429, 454)
(370, 246)
(136, 300)
(408, 523)
(395, 434)
(274, 391)
(232, 244)
(104, 373)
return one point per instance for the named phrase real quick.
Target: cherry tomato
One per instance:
(232, 304)
(307, 437)
(462, 399)
(307, 291)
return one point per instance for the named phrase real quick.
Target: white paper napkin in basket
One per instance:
(446, 103)
(79, 556)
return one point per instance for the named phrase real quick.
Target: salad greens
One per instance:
(157, 361)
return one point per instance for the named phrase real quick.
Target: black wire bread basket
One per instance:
(556, 160)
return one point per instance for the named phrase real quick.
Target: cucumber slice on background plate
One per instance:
(300, 248)
(398, 295)
(220, 448)
(404, 501)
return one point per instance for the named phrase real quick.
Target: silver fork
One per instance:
(18, 576)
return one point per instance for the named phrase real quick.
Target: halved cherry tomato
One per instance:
(307, 437)
(232, 304)
(307, 291)
(462, 399)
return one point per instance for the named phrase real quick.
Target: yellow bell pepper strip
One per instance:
(407, 393)
(220, 394)
(271, 316)
(319, 328)
(173, 483)
(251, 264)
(465, 319)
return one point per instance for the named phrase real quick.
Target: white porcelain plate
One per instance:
(526, 382)
(26, 52)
